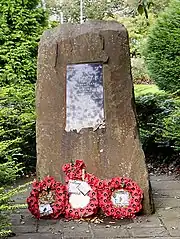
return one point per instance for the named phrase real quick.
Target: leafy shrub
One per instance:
(143, 89)
(139, 71)
(163, 47)
(138, 28)
(17, 125)
(21, 25)
(8, 173)
(7, 207)
(171, 130)
(158, 115)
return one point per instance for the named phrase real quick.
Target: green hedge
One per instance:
(21, 25)
(163, 47)
(17, 126)
(159, 123)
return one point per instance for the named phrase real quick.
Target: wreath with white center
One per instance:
(47, 199)
(120, 198)
(82, 200)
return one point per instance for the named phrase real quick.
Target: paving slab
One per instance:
(158, 193)
(49, 226)
(71, 229)
(21, 217)
(67, 229)
(171, 220)
(167, 185)
(102, 231)
(76, 237)
(166, 202)
(162, 177)
(18, 230)
(36, 236)
(174, 233)
(149, 232)
(156, 237)
(146, 221)
(169, 213)
(23, 222)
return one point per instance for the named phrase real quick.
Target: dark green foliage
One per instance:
(159, 122)
(21, 24)
(172, 128)
(17, 125)
(163, 47)
(8, 174)
(7, 206)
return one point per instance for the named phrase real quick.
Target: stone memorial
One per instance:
(85, 104)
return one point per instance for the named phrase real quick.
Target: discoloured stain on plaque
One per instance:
(84, 96)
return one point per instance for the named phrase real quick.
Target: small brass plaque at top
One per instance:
(84, 96)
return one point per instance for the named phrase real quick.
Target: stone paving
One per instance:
(165, 223)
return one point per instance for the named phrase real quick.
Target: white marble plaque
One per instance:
(84, 96)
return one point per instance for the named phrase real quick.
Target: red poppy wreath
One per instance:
(47, 199)
(120, 198)
(82, 191)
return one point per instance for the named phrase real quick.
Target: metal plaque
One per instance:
(84, 96)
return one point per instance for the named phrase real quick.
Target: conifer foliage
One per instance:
(21, 24)
(163, 47)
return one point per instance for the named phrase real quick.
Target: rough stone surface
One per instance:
(113, 151)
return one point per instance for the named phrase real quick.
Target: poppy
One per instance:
(107, 203)
(46, 192)
(36, 185)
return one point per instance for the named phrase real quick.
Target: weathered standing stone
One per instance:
(108, 152)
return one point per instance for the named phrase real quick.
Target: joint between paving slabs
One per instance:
(162, 223)
(37, 229)
(91, 231)
(129, 233)
(62, 235)
(37, 225)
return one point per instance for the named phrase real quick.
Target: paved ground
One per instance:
(165, 223)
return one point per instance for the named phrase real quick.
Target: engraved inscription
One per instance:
(84, 96)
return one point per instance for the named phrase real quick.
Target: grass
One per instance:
(146, 89)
